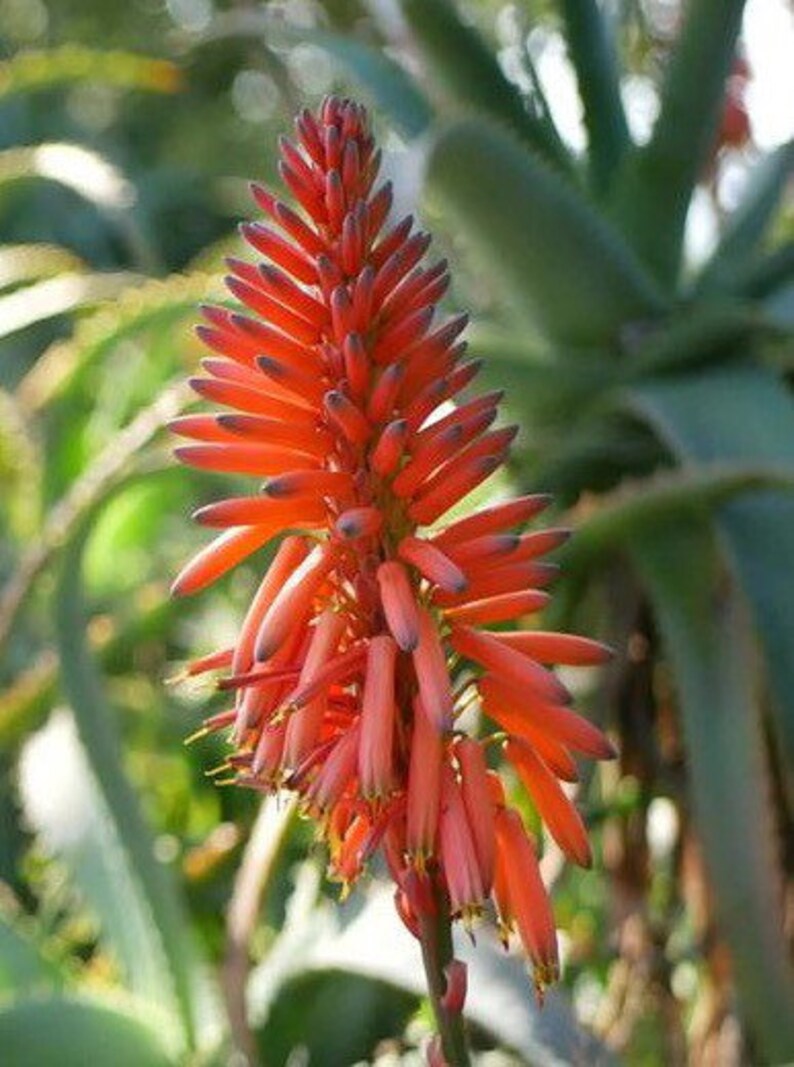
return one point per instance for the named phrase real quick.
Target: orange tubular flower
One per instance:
(345, 395)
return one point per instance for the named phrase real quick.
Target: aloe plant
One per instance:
(655, 403)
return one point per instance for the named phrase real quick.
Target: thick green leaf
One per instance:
(569, 440)
(60, 1032)
(708, 332)
(460, 60)
(744, 415)
(747, 225)
(653, 192)
(691, 493)
(592, 49)
(533, 381)
(767, 277)
(175, 976)
(560, 262)
(22, 967)
(637, 506)
(710, 649)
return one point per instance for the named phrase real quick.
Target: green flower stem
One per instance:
(435, 936)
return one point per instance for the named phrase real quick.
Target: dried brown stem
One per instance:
(250, 886)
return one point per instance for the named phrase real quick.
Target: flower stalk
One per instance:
(435, 938)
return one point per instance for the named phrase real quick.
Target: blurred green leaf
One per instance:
(175, 973)
(570, 436)
(20, 470)
(60, 1032)
(533, 381)
(652, 195)
(151, 615)
(592, 50)
(559, 261)
(709, 644)
(93, 486)
(90, 176)
(747, 224)
(157, 304)
(297, 1004)
(35, 69)
(744, 415)
(23, 969)
(457, 57)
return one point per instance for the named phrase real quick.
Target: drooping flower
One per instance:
(369, 634)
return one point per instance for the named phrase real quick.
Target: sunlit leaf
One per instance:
(86, 173)
(500, 998)
(32, 262)
(57, 296)
(71, 818)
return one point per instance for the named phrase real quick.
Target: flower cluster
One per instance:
(370, 634)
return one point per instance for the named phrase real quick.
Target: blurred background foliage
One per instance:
(623, 237)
